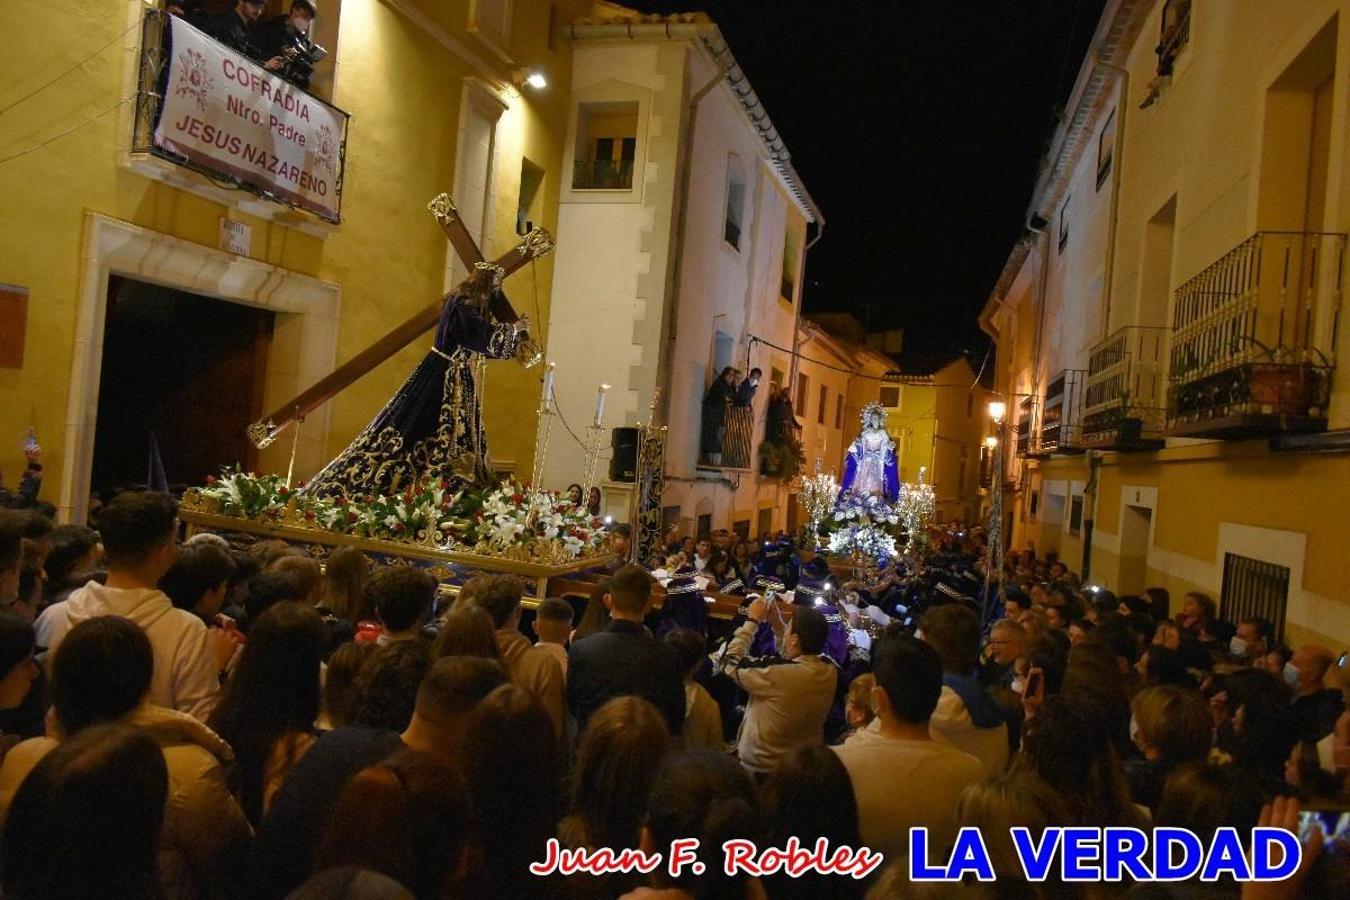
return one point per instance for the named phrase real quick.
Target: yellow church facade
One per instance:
(440, 97)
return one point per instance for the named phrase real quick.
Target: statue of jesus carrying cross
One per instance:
(433, 427)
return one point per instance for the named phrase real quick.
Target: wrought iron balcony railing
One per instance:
(277, 141)
(1176, 34)
(1028, 441)
(1123, 398)
(602, 174)
(732, 451)
(1061, 414)
(1252, 338)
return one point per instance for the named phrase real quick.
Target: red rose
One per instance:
(516, 498)
(309, 515)
(351, 516)
(445, 485)
(398, 528)
(283, 490)
(210, 479)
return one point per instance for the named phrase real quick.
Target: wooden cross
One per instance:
(532, 246)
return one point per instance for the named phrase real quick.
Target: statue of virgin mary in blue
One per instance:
(871, 468)
(433, 427)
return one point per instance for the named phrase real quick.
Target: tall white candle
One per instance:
(600, 405)
(548, 385)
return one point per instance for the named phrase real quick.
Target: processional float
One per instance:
(454, 533)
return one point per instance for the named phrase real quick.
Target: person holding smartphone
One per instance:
(29, 483)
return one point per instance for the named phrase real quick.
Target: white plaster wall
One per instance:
(612, 268)
(734, 291)
(611, 256)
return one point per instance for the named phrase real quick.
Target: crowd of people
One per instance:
(199, 719)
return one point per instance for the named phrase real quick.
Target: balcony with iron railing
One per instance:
(1123, 393)
(1028, 437)
(727, 447)
(602, 175)
(277, 141)
(1061, 414)
(1252, 351)
(1176, 34)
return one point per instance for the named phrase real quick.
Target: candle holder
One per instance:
(593, 437)
(545, 427)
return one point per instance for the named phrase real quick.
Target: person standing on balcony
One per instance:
(287, 38)
(715, 414)
(745, 391)
(782, 422)
(237, 29)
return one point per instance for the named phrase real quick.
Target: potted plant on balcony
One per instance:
(782, 459)
(1289, 385)
(1129, 427)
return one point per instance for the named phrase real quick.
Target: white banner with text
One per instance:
(226, 113)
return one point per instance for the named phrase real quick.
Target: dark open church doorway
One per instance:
(191, 369)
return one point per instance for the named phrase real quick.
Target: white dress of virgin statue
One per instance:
(871, 467)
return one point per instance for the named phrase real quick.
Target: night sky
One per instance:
(917, 128)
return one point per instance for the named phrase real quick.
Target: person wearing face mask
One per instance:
(745, 391)
(1252, 640)
(1317, 707)
(286, 42)
(1170, 725)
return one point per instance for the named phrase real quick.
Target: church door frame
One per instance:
(304, 344)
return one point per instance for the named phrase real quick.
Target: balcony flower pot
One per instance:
(1284, 390)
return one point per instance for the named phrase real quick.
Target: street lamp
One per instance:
(998, 411)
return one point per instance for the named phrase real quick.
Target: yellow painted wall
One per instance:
(403, 89)
(1230, 168)
(911, 425)
(931, 426)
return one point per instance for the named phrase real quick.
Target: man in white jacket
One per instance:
(139, 533)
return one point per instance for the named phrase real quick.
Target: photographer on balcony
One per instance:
(237, 29)
(285, 41)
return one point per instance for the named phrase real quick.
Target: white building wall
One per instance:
(729, 290)
(613, 271)
(612, 258)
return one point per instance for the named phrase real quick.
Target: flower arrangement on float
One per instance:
(862, 540)
(507, 519)
(866, 525)
(868, 509)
